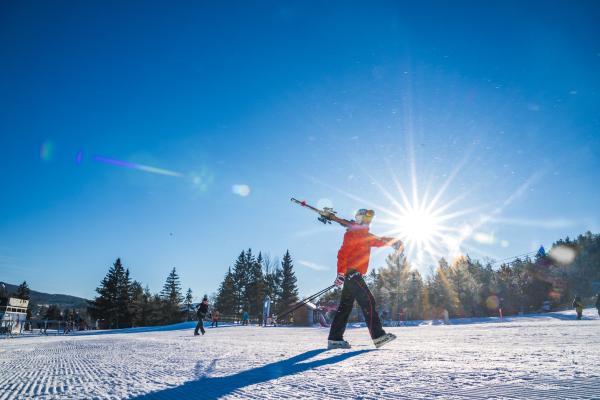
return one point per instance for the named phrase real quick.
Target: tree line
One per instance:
(123, 302)
(471, 288)
(251, 279)
(464, 288)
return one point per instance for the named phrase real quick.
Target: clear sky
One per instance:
(172, 134)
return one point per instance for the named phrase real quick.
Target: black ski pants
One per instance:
(355, 288)
(200, 324)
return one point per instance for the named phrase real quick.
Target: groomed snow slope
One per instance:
(549, 356)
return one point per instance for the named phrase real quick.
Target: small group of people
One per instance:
(578, 305)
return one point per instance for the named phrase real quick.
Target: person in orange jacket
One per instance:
(353, 262)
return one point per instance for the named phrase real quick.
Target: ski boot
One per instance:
(337, 344)
(383, 339)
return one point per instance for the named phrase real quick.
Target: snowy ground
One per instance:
(545, 357)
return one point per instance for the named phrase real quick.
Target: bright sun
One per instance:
(418, 226)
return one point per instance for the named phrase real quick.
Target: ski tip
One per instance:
(301, 202)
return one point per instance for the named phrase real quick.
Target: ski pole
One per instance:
(304, 301)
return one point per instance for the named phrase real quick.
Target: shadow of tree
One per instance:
(215, 387)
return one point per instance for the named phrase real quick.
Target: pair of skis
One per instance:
(327, 215)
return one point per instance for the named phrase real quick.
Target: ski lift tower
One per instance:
(13, 315)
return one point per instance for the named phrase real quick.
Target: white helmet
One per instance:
(364, 216)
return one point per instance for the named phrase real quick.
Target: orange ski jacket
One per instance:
(356, 249)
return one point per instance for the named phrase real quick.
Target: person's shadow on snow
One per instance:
(215, 387)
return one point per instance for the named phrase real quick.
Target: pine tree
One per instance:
(278, 288)
(172, 298)
(394, 284)
(136, 305)
(189, 303)
(375, 284)
(124, 300)
(465, 287)
(241, 280)
(255, 290)
(172, 288)
(289, 290)
(158, 311)
(225, 301)
(3, 294)
(23, 291)
(442, 294)
(146, 307)
(112, 303)
(414, 294)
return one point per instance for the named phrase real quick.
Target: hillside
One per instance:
(61, 300)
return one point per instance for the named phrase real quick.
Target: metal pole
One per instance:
(304, 301)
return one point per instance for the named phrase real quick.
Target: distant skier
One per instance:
(578, 306)
(598, 303)
(201, 313)
(245, 317)
(353, 262)
(215, 319)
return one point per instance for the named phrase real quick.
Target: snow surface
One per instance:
(546, 356)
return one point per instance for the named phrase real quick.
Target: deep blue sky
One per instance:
(292, 99)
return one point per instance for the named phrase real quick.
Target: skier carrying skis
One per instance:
(201, 313)
(353, 262)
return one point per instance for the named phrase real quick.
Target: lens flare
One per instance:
(139, 167)
(563, 254)
(47, 151)
(241, 190)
